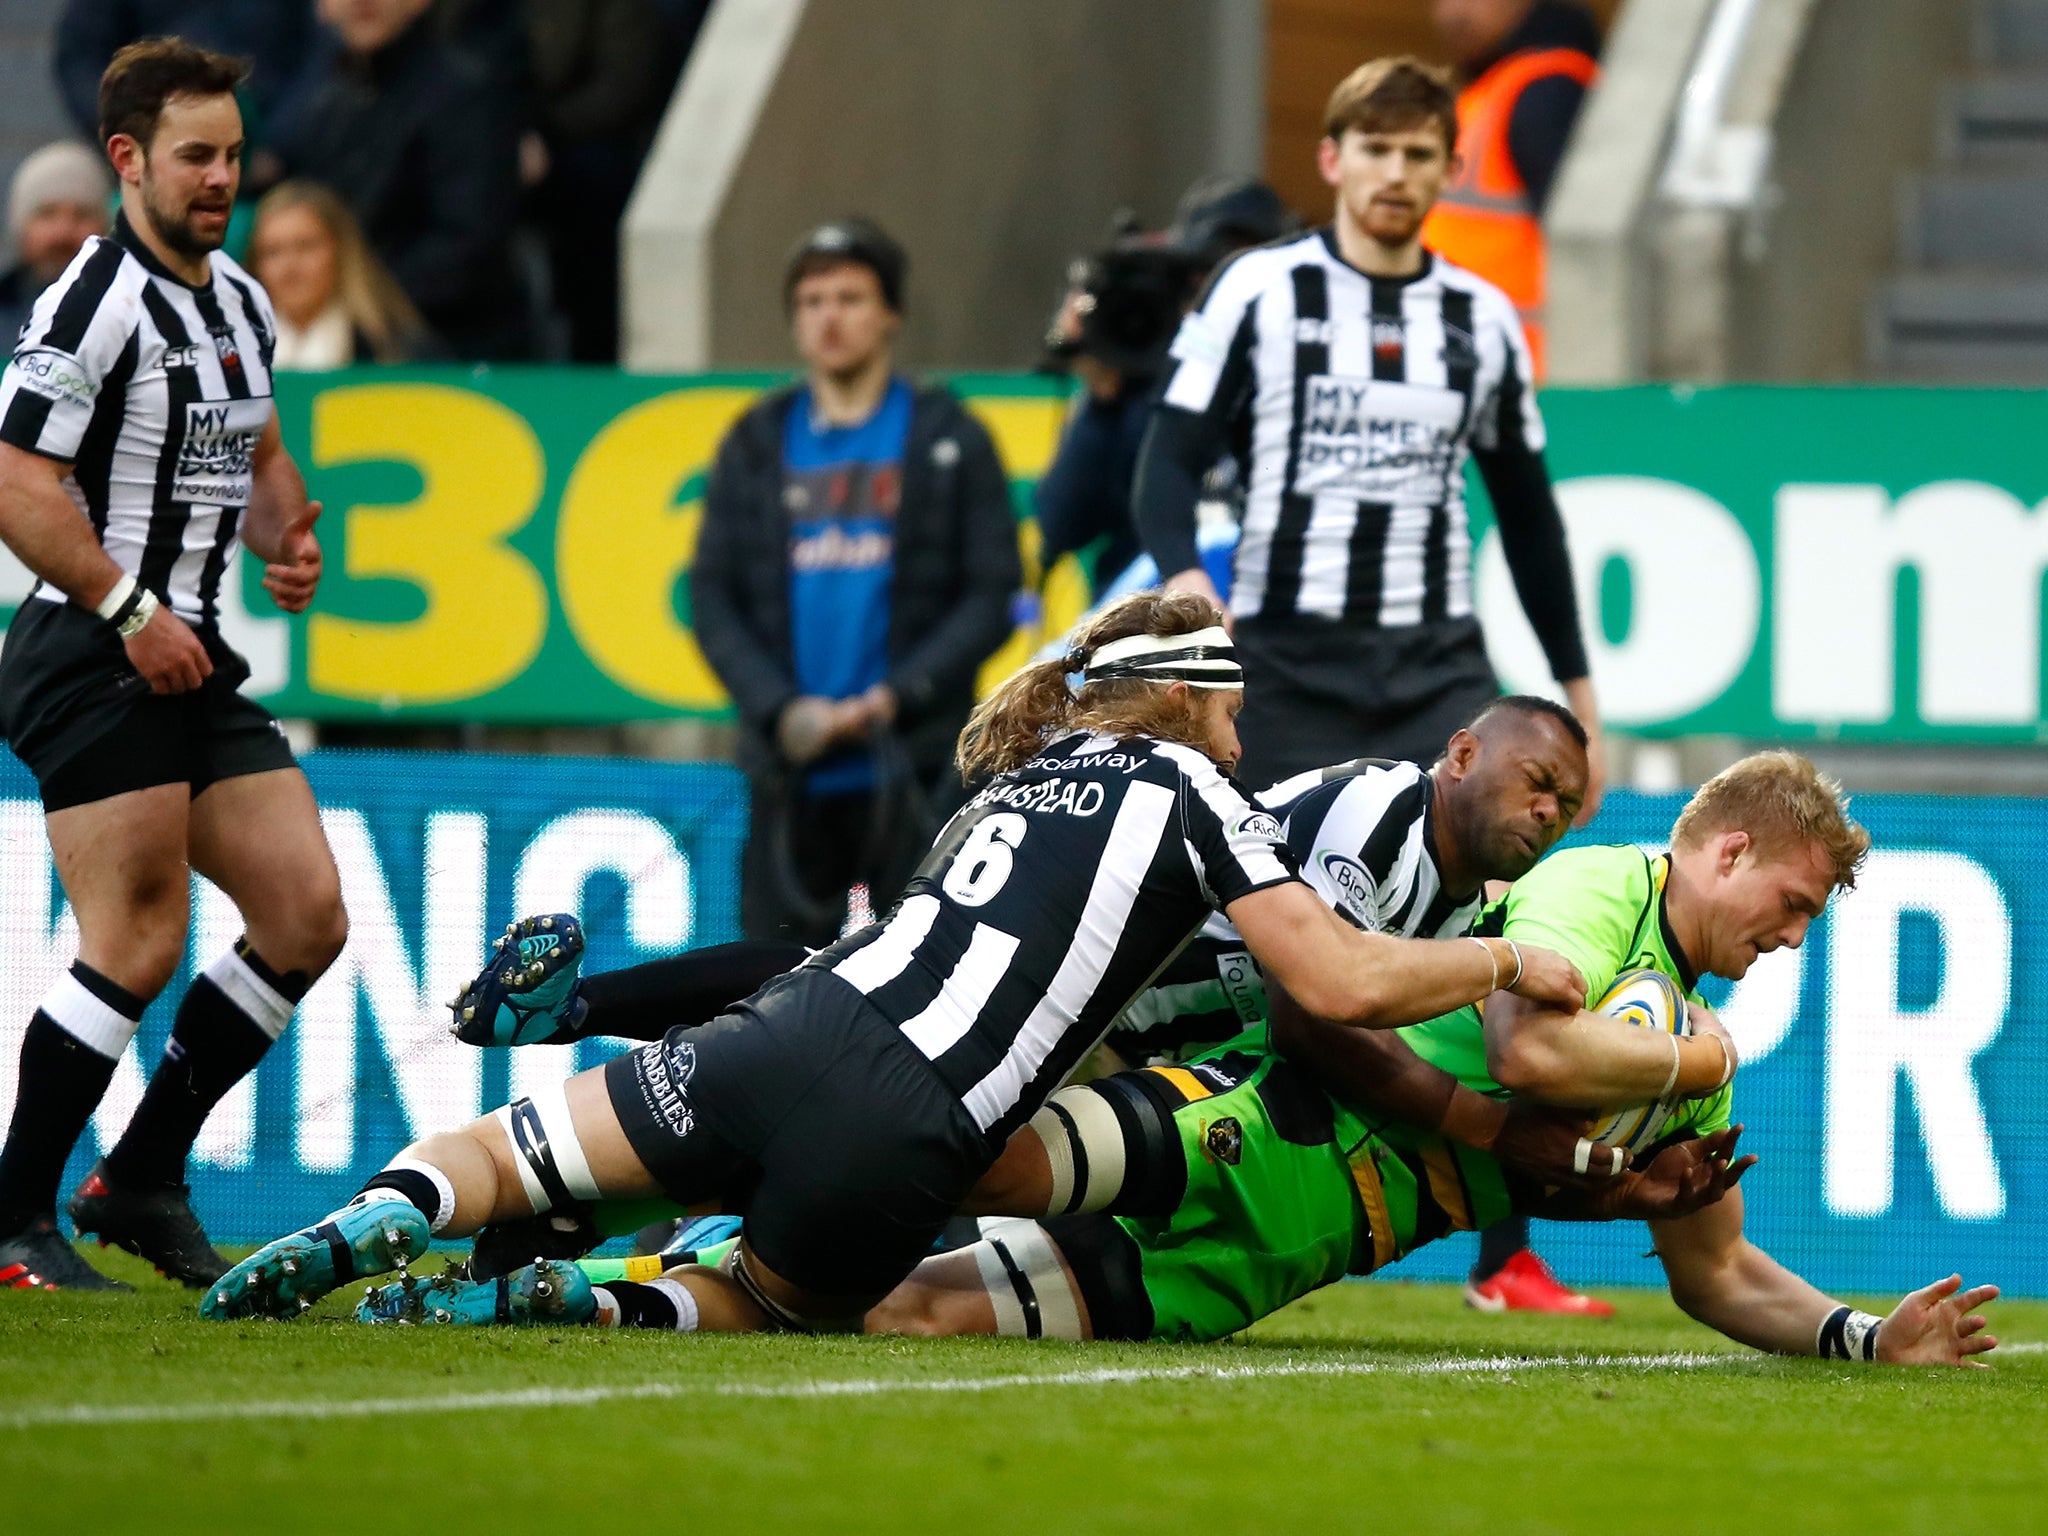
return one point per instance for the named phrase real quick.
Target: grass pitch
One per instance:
(1380, 1407)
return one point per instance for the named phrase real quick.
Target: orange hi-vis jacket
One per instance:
(1485, 221)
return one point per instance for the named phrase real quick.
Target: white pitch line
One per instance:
(560, 1397)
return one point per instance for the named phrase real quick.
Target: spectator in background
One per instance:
(273, 35)
(1526, 66)
(57, 200)
(856, 567)
(336, 304)
(422, 141)
(602, 73)
(1112, 330)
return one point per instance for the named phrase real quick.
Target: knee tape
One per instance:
(781, 1319)
(550, 1160)
(1027, 1284)
(1085, 1142)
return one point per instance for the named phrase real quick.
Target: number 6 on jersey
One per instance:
(984, 860)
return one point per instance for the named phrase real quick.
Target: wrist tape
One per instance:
(1847, 1334)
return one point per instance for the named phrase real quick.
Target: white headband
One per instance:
(1204, 659)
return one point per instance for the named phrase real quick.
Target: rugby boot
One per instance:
(545, 1291)
(527, 994)
(154, 1224)
(284, 1278)
(1526, 1284)
(567, 1233)
(39, 1259)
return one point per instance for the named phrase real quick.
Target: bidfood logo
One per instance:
(55, 375)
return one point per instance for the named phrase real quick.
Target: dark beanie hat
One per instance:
(850, 239)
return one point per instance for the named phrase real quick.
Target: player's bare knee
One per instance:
(140, 949)
(305, 935)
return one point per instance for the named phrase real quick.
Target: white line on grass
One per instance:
(571, 1397)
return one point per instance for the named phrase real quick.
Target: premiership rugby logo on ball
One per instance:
(1650, 1000)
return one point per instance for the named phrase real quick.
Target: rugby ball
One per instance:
(1650, 1000)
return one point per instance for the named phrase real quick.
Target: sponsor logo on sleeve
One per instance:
(56, 376)
(1256, 825)
(1346, 878)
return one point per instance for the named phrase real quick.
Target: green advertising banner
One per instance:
(1850, 563)
(513, 545)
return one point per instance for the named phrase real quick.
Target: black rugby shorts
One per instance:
(805, 1110)
(84, 721)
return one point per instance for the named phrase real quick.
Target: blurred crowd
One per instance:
(424, 179)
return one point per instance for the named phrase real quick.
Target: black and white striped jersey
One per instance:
(1364, 397)
(1050, 901)
(1361, 834)
(156, 393)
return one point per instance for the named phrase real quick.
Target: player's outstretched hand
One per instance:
(1683, 1178)
(1938, 1325)
(168, 654)
(294, 576)
(1550, 979)
(1544, 1143)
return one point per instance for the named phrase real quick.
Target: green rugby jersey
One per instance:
(1602, 909)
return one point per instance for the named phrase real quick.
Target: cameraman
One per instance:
(1112, 330)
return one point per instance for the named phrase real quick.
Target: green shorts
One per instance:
(1269, 1211)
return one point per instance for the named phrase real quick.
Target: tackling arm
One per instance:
(1725, 1281)
(1376, 981)
(1566, 1055)
(1380, 1071)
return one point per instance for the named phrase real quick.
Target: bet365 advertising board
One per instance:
(1894, 1067)
(514, 545)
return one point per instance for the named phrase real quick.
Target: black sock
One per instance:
(62, 1079)
(644, 1002)
(410, 1185)
(231, 1015)
(643, 1306)
(1499, 1243)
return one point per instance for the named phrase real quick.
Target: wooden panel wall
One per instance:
(1310, 46)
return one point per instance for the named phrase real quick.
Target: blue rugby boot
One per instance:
(545, 1291)
(284, 1278)
(527, 994)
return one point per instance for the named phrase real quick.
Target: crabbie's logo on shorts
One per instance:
(217, 450)
(664, 1072)
(55, 376)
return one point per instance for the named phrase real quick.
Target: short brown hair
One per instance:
(1782, 801)
(1392, 96)
(145, 75)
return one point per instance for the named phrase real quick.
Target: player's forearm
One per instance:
(1751, 1298)
(277, 497)
(1179, 448)
(1375, 1069)
(1388, 982)
(1590, 1061)
(45, 531)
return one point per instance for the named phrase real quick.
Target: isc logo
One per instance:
(181, 357)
